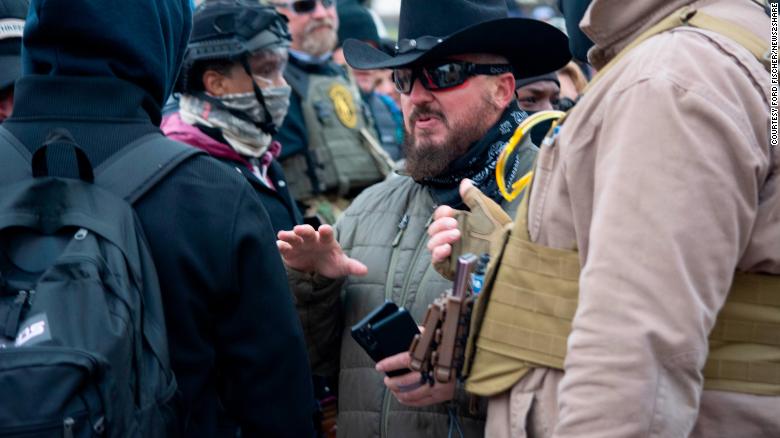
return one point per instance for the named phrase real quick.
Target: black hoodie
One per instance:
(102, 69)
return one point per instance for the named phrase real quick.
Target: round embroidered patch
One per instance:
(344, 105)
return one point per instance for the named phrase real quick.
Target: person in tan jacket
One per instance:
(664, 182)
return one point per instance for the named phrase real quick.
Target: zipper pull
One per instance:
(401, 227)
(67, 427)
(15, 315)
(100, 426)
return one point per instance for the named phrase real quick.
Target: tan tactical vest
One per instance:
(523, 320)
(340, 142)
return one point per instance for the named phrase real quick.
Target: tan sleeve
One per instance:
(675, 195)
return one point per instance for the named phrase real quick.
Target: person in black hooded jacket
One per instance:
(102, 70)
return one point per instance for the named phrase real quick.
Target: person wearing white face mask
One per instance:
(234, 97)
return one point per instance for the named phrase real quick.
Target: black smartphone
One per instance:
(386, 331)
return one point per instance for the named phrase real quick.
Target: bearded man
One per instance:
(328, 143)
(457, 80)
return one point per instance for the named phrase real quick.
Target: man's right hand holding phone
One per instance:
(410, 389)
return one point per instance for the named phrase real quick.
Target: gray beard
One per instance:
(319, 46)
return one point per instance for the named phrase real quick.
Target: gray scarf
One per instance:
(243, 136)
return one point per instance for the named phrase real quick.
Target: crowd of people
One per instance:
(633, 287)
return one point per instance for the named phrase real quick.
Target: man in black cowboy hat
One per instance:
(455, 66)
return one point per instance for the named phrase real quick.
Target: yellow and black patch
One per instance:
(344, 105)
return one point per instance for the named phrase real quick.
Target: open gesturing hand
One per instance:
(310, 250)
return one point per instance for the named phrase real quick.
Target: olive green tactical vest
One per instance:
(342, 160)
(523, 319)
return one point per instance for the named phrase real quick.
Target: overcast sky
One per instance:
(386, 7)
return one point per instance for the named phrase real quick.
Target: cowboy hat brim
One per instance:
(532, 47)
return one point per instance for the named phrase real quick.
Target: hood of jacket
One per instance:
(613, 24)
(140, 41)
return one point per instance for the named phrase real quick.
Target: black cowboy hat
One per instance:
(435, 29)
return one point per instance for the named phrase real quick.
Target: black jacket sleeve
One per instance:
(258, 335)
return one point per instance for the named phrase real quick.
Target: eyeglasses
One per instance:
(444, 76)
(304, 6)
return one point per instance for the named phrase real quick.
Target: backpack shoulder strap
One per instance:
(140, 165)
(744, 37)
(15, 158)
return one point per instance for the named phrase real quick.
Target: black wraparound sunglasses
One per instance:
(445, 75)
(304, 6)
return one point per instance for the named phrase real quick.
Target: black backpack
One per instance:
(83, 347)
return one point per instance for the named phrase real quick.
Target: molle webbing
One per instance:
(533, 301)
(338, 159)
